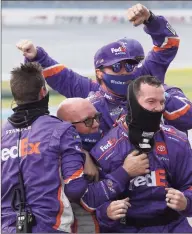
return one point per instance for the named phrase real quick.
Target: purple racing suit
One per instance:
(54, 138)
(51, 162)
(98, 193)
(71, 84)
(178, 109)
(170, 166)
(178, 112)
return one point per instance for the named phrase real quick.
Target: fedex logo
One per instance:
(120, 49)
(154, 178)
(25, 147)
(108, 145)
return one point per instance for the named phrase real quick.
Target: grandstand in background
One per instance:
(96, 4)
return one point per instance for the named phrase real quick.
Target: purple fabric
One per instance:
(170, 165)
(134, 47)
(71, 84)
(47, 147)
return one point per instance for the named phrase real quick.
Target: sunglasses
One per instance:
(118, 66)
(89, 121)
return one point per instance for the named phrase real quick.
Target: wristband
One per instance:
(151, 17)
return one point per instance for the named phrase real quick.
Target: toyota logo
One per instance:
(161, 148)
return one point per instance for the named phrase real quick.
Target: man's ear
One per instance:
(99, 74)
(43, 92)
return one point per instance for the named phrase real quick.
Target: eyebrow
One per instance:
(90, 117)
(152, 98)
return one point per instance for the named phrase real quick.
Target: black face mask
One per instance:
(142, 124)
(25, 114)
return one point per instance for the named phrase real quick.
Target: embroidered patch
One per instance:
(161, 148)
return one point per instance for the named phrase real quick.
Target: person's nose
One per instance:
(123, 71)
(95, 124)
(159, 108)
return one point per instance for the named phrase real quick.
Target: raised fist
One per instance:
(137, 14)
(28, 49)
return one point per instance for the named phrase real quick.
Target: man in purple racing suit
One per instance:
(159, 201)
(45, 153)
(75, 111)
(116, 65)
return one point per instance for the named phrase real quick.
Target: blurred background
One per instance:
(72, 31)
(96, 4)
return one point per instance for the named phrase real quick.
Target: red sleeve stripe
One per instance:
(167, 44)
(75, 175)
(86, 207)
(176, 114)
(61, 208)
(53, 70)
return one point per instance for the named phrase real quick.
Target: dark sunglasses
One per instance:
(118, 66)
(89, 121)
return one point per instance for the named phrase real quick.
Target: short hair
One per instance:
(26, 82)
(147, 79)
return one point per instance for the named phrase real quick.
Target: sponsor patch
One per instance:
(110, 143)
(90, 140)
(153, 179)
(168, 26)
(107, 96)
(26, 148)
(161, 148)
(110, 185)
(115, 111)
(120, 50)
(172, 138)
(93, 97)
(167, 129)
(15, 130)
(148, 134)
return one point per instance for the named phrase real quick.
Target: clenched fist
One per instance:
(175, 199)
(28, 49)
(118, 209)
(138, 14)
(136, 164)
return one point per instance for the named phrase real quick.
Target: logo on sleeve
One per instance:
(110, 185)
(110, 143)
(168, 26)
